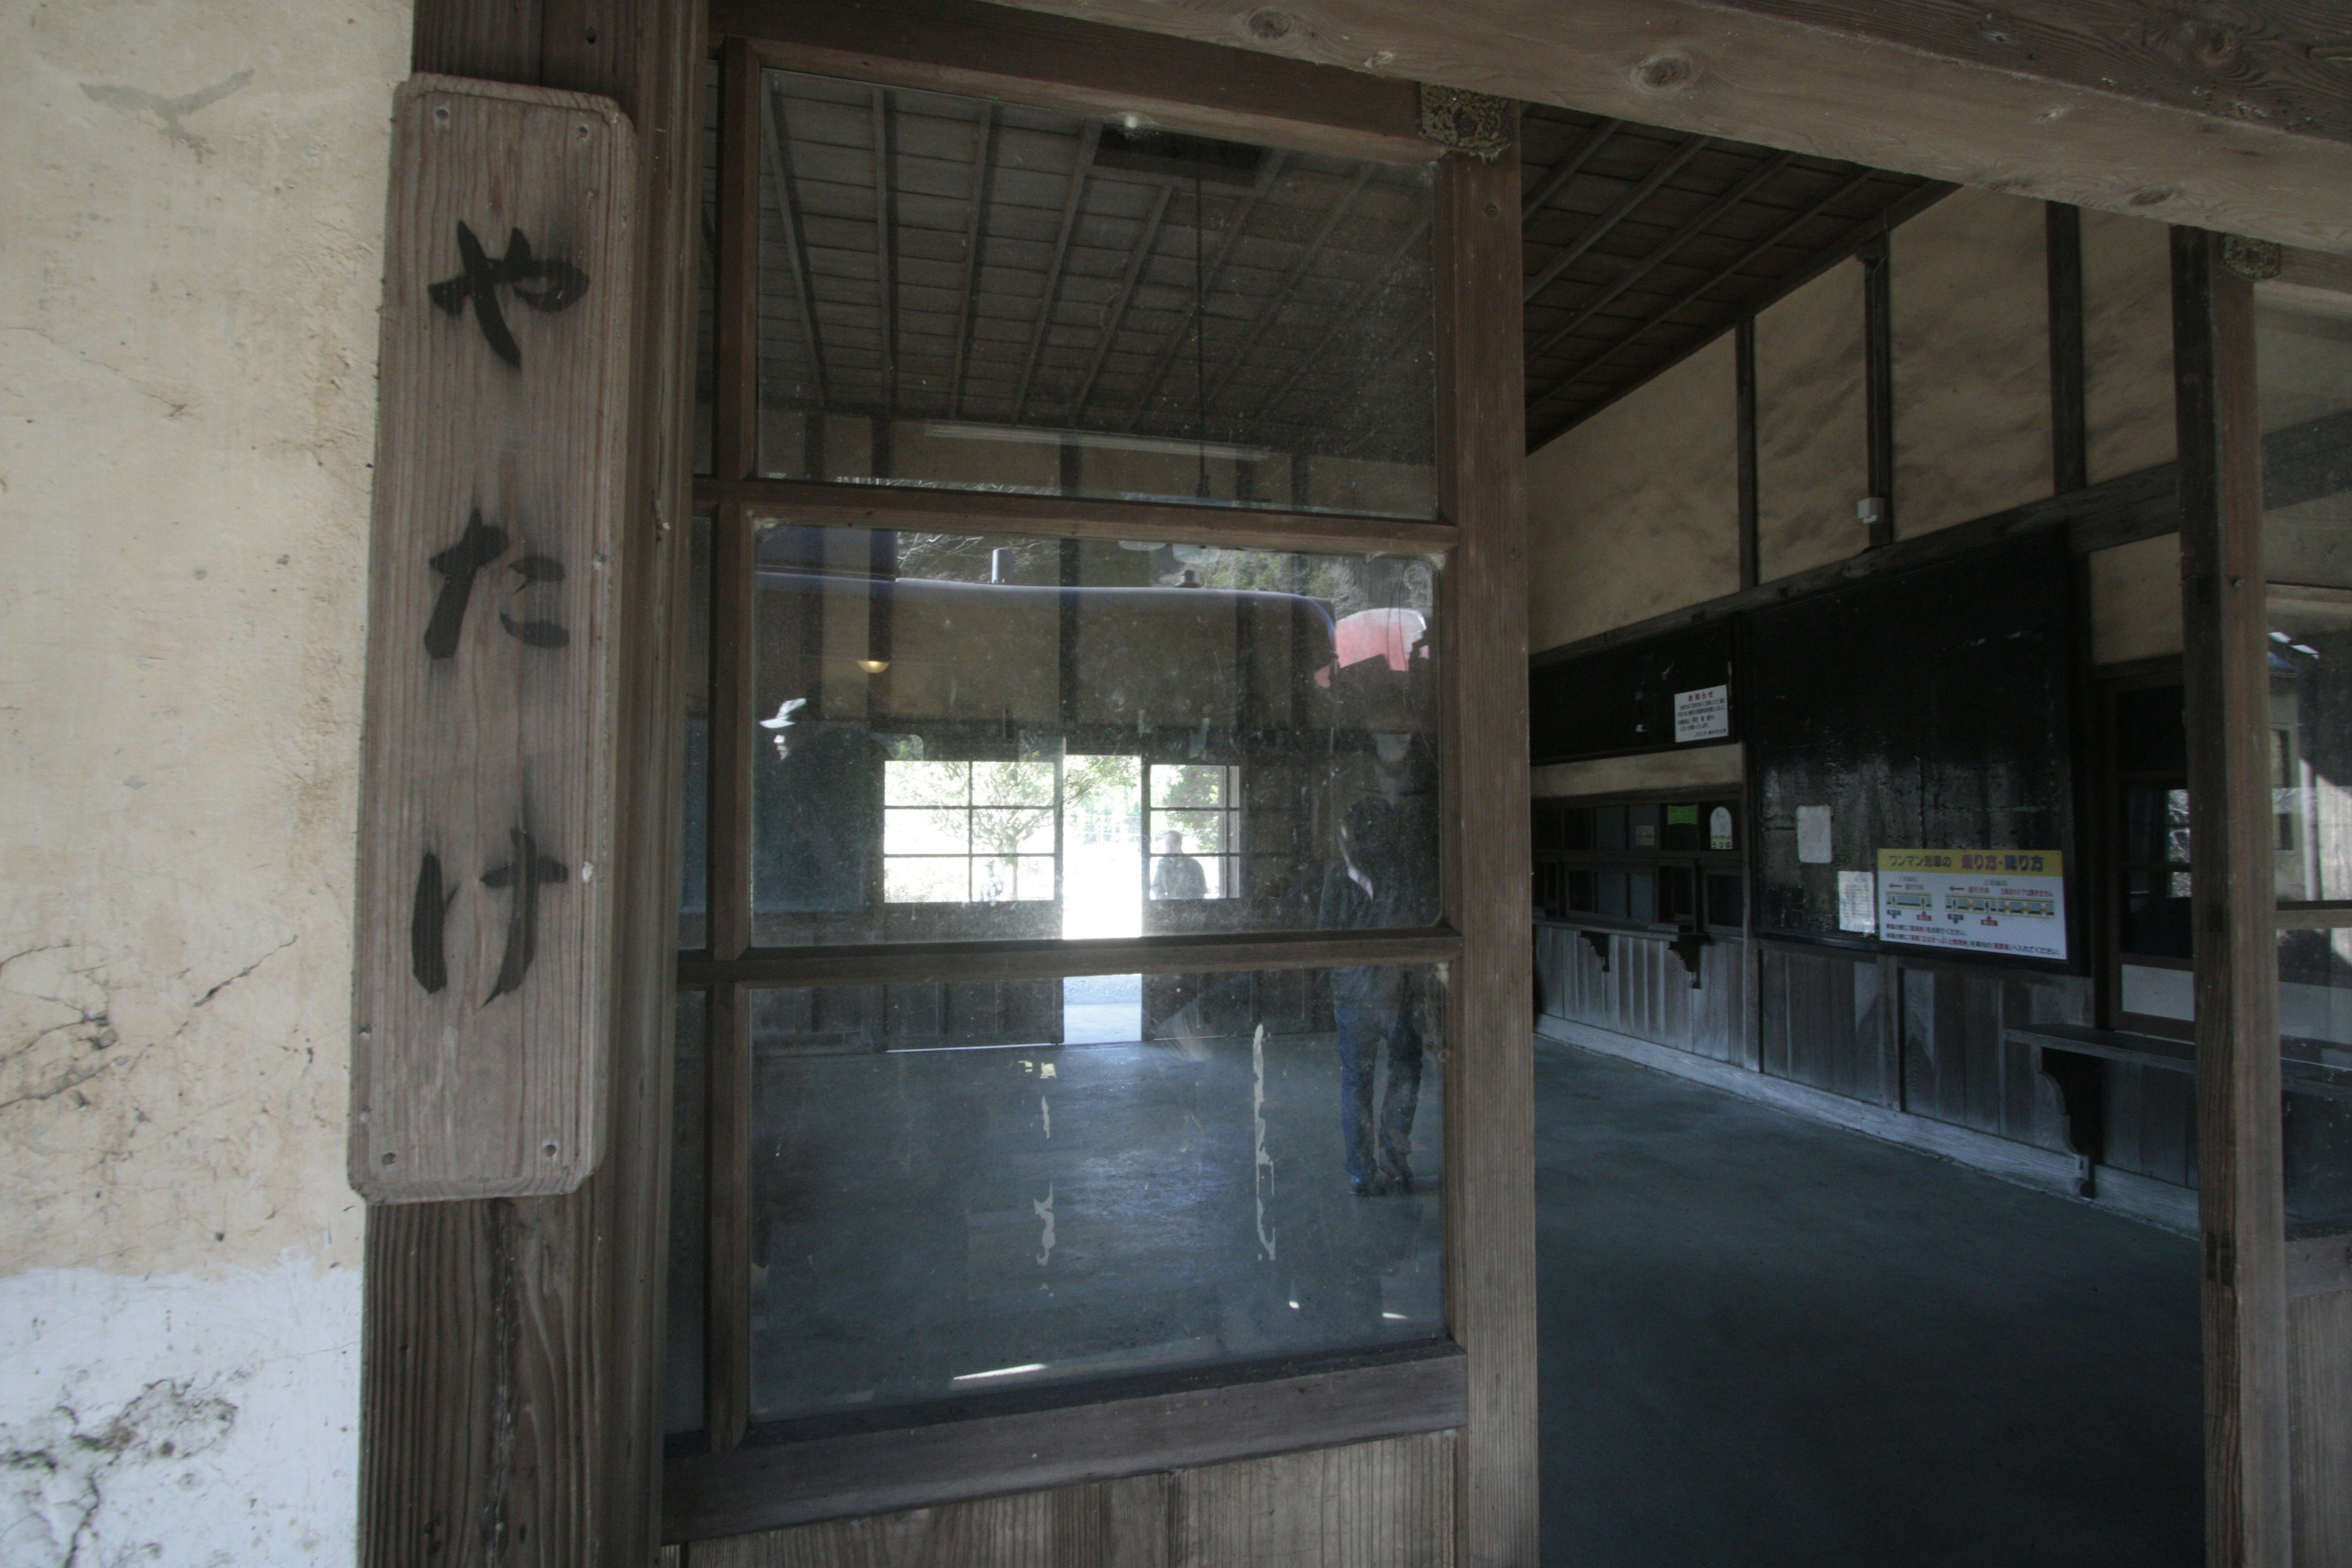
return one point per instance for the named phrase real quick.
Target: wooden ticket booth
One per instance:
(1047, 898)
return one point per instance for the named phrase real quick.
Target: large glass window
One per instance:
(961, 294)
(967, 736)
(2303, 354)
(933, 741)
(967, 1209)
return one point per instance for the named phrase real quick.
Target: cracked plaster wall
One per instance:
(196, 212)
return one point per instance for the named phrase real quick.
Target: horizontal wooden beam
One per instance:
(2090, 101)
(935, 963)
(1203, 1418)
(2136, 506)
(907, 506)
(994, 52)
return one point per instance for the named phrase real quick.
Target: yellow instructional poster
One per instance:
(2010, 901)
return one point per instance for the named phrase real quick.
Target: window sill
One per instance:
(1167, 1422)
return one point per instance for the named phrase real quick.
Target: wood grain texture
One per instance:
(1385, 1504)
(1867, 88)
(2320, 1425)
(1047, 958)
(487, 808)
(1183, 1420)
(958, 47)
(735, 368)
(1646, 990)
(1490, 1245)
(1098, 1524)
(2226, 682)
(580, 1419)
(993, 512)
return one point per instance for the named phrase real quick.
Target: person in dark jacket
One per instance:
(1381, 881)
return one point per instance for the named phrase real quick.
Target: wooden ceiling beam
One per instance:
(1115, 314)
(797, 258)
(968, 290)
(1763, 175)
(1693, 295)
(1205, 284)
(1569, 167)
(1599, 228)
(2247, 130)
(1087, 140)
(1272, 308)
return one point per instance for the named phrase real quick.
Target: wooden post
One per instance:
(1490, 1271)
(2226, 669)
(1743, 359)
(509, 1404)
(1878, 382)
(2070, 464)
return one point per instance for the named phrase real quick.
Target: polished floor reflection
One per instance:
(1768, 1341)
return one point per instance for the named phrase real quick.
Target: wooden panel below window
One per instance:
(1960, 1066)
(1387, 1504)
(1822, 1023)
(1645, 991)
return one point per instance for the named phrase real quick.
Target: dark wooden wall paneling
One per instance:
(1645, 991)
(1825, 1021)
(1958, 1063)
(2150, 1122)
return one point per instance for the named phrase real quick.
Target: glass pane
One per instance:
(961, 294)
(958, 736)
(694, 849)
(2304, 348)
(688, 1212)
(949, 1197)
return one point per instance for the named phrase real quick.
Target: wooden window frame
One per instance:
(975, 1447)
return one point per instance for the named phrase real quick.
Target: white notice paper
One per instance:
(1814, 836)
(1858, 902)
(1719, 829)
(1702, 715)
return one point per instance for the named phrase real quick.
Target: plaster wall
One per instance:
(1813, 427)
(1970, 309)
(2127, 343)
(1636, 511)
(195, 213)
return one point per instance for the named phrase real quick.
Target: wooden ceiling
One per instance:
(1014, 266)
(1642, 245)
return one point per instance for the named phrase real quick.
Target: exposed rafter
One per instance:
(1600, 227)
(1084, 166)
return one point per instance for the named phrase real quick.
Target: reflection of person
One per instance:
(1176, 874)
(1375, 1005)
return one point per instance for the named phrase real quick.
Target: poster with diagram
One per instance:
(2010, 901)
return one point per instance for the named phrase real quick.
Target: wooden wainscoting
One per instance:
(1644, 990)
(1388, 1504)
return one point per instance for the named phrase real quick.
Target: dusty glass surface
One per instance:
(688, 1211)
(961, 1188)
(968, 295)
(2304, 358)
(970, 737)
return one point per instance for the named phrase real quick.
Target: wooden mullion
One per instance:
(2225, 667)
(727, 1286)
(1489, 1186)
(733, 728)
(1047, 958)
(735, 379)
(1053, 516)
(1743, 360)
(1878, 381)
(2070, 464)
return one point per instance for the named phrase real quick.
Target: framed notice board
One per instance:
(1926, 710)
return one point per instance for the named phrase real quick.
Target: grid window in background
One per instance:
(969, 832)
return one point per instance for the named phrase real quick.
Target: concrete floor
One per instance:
(1768, 1341)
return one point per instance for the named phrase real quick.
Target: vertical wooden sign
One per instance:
(486, 783)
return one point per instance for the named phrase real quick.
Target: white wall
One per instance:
(194, 201)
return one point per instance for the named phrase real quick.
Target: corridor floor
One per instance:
(1768, 1341)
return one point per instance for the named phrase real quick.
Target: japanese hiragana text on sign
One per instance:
(2009, 902)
